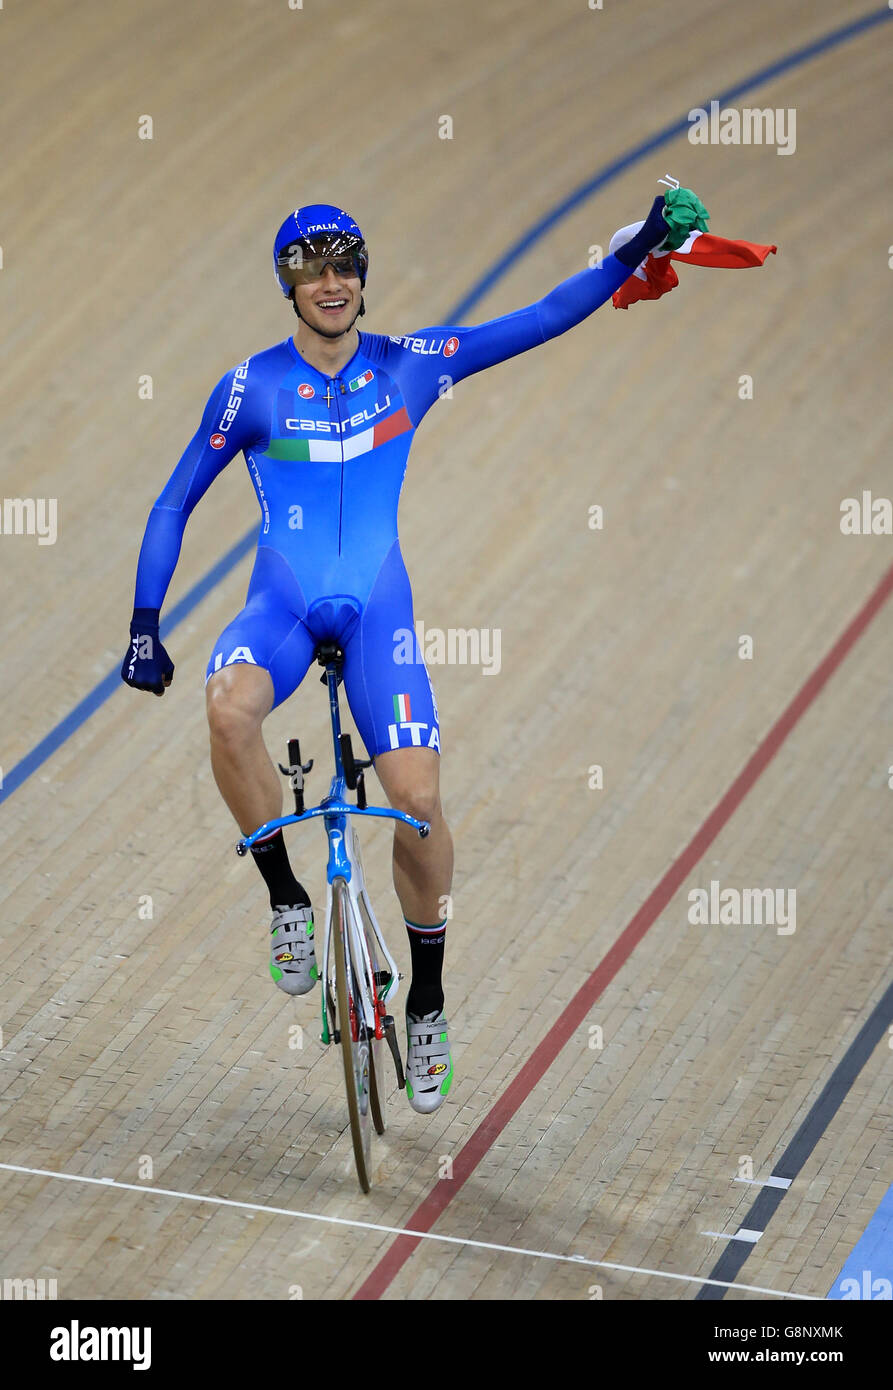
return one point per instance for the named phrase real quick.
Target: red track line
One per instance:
(492, 1125)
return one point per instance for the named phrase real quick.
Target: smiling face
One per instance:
(330, 304)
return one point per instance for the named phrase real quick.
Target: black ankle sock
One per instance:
(271, 857)
(426, 946)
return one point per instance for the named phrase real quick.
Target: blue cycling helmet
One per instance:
(319, 225)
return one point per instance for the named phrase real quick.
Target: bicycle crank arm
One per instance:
(390, 1033)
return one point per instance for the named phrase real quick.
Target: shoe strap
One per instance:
(420, 1032)
(292, 916)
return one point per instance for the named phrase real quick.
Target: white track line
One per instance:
(400, 1231)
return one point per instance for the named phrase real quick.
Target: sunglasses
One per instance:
(298, 268)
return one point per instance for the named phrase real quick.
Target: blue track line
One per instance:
(789, 1166)
(868, 1273)
(107, 686)
(110, 683)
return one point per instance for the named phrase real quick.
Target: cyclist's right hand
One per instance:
(147, 665)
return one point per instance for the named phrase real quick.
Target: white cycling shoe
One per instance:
(429, 1066)
(292, 957)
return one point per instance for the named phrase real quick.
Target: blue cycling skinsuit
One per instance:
(327, 457)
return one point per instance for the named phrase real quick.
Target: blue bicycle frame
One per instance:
(333, 808)
(344, 860)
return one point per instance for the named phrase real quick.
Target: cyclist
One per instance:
(325, 420)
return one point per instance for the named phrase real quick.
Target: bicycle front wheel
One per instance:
(378, 1048)
(353, 1036)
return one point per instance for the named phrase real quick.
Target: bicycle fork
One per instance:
(372, 985)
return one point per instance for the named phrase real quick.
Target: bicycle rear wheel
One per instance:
(353, 1036)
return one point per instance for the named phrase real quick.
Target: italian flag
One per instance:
(401, 709)
(307, 450)
(656, 276)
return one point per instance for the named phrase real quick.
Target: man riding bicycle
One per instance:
(325, 420)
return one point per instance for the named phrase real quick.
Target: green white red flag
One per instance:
(656, 276)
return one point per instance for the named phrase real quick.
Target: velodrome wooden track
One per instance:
(125, 1037)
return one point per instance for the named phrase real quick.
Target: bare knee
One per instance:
(418, 799)
(411, 779)
(238, 699)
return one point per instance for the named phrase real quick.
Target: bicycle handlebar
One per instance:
(333, 808)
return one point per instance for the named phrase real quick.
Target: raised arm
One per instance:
(467, 350)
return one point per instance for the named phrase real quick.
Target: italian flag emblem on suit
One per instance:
(402, 712)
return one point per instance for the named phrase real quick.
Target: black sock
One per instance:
(271, 857)
(426, 946)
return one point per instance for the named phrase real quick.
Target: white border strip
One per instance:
(400, 1231)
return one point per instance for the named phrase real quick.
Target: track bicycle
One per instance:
(359, 976)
